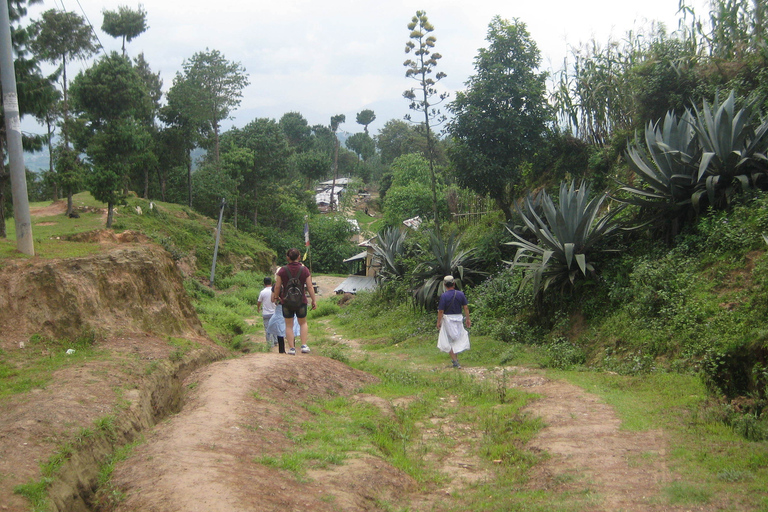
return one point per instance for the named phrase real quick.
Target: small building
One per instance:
(363, 271)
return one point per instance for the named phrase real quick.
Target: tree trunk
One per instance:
(431, 155)
(189, 177)
(255, 209)
(69, 203)
(50, 158)
(109, 215)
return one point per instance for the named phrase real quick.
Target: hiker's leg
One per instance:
(289, 332)
(304, 330)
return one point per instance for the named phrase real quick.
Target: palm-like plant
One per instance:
(387, 253)
(445, 258)
(733, 150)
(568, 235)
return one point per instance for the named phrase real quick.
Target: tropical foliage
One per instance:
(568, 236)
(444, 257)
(388, 252)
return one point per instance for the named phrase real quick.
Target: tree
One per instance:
(154, 86)
(419, 69)
(397, 138)
(501, 117)
(213, 87)
(184, 131)
(271, 152)
(113, 100)
(362, 145)
(313, 165)
(63, 36)
(365, 117)
(296, 130)
(125, 23)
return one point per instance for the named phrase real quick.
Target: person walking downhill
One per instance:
(291, 284)
(453, 337)
(266, 307)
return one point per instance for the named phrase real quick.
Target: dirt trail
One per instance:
(592, 458)
(211, 455)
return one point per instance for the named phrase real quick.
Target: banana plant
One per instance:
(734, 150)
(568, 236)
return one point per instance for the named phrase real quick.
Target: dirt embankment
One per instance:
(131, 297)
(131, 288)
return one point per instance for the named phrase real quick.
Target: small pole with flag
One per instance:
(306, 242)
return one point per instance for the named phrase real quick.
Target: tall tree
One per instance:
(266, 141)
(398, 138)
(113, 100)
(296, 129)
(362, 144)
(184, 130)
(154, 86)
(213, 88)
(125, 23)
(501, 117)
(365, 117)
(425, 98)
(61, 37)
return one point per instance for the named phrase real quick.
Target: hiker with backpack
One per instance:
(291, 284)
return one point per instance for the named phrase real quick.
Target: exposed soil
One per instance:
(208, 454)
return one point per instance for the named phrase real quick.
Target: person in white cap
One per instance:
(453, 337)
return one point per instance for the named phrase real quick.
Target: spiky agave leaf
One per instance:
(567, 234)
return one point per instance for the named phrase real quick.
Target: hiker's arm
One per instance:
(276, 291)
(467, 321)
(439, 318)
(311, 289)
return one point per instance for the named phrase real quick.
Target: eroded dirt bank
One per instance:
(130, 301)
(131, 288)
(204, 458)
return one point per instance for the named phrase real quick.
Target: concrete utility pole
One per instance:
(24, 242)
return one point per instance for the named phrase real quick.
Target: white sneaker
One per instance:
(291, 352)
(304, 349)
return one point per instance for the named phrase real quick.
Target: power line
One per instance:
(90, 25)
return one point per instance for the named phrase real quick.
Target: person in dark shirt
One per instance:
(453, 337)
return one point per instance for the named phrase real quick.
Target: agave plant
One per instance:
(568, 235)
(387, 253)
(667, 168)
(733, 150)
(445, 258)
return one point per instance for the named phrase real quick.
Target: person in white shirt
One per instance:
(266, 307)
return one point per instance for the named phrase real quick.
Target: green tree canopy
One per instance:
(501, 117)
(211, 87)
(125, 23)
(365, 117)
(113, 101)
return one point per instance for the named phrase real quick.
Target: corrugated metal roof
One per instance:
(354, 284)
(356, 257)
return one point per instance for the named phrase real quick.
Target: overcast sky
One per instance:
(322, 58)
